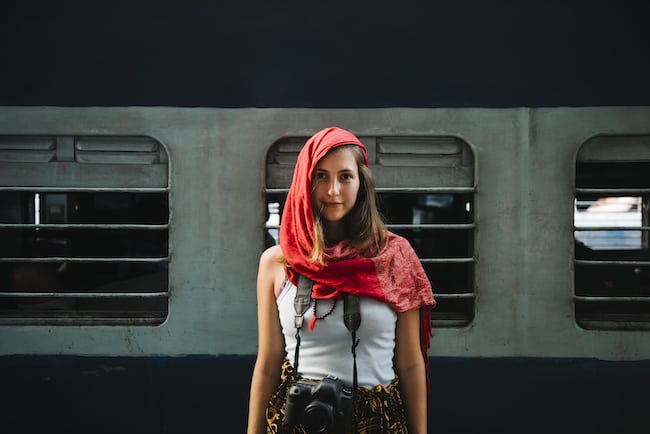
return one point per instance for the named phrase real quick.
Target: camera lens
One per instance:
(318, 417)
(297, 398)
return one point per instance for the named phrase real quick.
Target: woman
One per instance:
(332, 233)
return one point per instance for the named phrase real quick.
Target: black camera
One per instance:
(323, 407)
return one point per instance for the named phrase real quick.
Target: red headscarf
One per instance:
(394, 276)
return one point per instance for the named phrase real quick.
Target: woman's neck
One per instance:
(334, 233)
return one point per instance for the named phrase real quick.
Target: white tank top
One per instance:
(328, 349)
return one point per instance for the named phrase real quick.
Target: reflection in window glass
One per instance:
(616, 214)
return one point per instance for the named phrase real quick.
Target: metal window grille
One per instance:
(611, 228)
(84, 222)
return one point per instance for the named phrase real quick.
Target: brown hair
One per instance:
(364, 225)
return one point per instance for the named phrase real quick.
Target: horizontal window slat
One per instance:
(30, 143)
(433, 226)
(116, 143)
(395, 177)
(116, 157)
(596, 262)
(447, 260)
(27, 149)
(91, 319)
(613, 191)
(434, 190)
(290, 145)
(285, 159)
(601, 299)
(89, 259)
(84, 294)
(77, 189)
(64, 226)
(419, 145)
(417, 160)
(610, 228)
(70, 175)
(285, 152)
(465, 295)
(428, 226)
(25, 156)
(448, 320)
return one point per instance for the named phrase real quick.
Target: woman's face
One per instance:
(336, 184)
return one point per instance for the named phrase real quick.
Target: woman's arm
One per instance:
(409, 366)
(270, 350)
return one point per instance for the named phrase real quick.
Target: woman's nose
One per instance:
(334, 188)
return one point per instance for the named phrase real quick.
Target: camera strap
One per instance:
(351, 318)
(301, 305)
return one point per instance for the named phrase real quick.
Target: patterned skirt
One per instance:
(376, 411)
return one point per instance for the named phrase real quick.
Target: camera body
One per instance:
(323, 407)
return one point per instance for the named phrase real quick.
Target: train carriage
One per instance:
(150, 221)
(146, 149)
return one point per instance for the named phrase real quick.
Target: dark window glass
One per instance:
(93, 251)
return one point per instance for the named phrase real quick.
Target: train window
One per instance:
(611, 227)
(425, 189)
(85, 224)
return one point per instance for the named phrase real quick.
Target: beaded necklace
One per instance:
(315, 317)
(326, 314)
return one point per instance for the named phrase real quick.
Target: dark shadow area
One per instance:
(465, 53)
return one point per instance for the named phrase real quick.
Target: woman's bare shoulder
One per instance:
(272, 255)
(271, 270)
